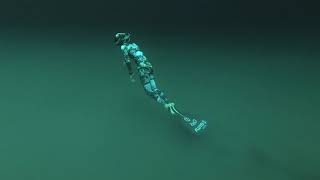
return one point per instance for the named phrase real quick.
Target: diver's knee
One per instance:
(148, 89)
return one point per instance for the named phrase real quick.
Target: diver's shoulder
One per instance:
(123, 47)
(129, 46)
(133, 46)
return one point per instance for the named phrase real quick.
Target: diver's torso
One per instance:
(135, 54)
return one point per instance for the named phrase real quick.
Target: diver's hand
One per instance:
(132, 78)
(170, 108)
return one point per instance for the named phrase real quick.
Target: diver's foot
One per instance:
(170, 108)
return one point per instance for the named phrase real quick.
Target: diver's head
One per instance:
(121, 38)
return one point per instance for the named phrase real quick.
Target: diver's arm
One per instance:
(127, 62)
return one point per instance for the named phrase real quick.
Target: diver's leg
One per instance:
(159, 95)
(151, 89)
(149, 84)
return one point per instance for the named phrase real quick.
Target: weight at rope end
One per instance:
(197, 127)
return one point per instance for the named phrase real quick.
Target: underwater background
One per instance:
(69, 111)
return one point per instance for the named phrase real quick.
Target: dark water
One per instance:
(69, 111)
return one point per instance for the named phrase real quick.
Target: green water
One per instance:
(69, 111)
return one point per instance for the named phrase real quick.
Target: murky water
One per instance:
(69, 111)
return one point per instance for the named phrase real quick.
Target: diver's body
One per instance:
(132, 52)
